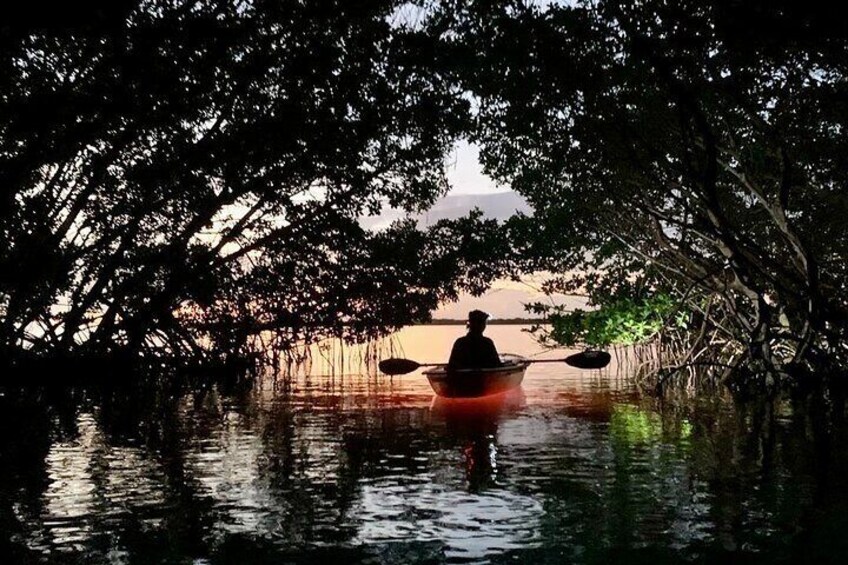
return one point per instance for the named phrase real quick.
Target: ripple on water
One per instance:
(93, 485)
(467, 525)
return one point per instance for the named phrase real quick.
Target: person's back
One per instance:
(474, 350)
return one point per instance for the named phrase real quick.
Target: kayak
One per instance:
(473, 383)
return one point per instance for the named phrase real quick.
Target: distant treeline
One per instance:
(497, 322)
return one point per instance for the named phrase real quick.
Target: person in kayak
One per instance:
(474, 350)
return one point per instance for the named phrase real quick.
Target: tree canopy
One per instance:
(179, 175)
(691, 148)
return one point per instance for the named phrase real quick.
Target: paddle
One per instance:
(584, 360)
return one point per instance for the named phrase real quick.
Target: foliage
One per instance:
(634, 426)
(180, 175)
(619, 321)
(698, 144)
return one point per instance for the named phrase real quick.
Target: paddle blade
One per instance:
(589, 360)
(398, 366)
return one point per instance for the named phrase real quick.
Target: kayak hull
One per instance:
(474, 383)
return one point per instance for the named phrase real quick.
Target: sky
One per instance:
(466, 174)
(506, 298)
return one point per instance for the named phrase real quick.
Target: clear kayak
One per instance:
(473, 383)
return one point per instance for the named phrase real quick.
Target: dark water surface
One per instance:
(574, 467)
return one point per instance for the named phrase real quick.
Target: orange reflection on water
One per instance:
(481, 409)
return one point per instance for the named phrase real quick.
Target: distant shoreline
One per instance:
(494, 322)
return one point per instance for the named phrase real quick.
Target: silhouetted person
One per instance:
(474, 351)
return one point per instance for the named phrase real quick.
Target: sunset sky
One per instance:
(506, 299)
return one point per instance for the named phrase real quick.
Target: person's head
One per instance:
(476, 321)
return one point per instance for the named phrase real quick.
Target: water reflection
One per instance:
(91, 483)
(467, 526)
(474, 423)
(572, 467)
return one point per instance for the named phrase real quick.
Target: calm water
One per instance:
(574, 467)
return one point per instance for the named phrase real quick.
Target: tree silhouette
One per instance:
(689, 147)
(177, 176)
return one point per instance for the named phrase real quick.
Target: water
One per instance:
(575, 467)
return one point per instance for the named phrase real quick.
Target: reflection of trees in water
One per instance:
(696, 480)
(207, 472)
(22, 469)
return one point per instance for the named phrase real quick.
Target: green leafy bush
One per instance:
(621, 321)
